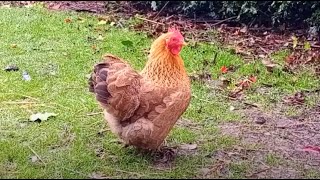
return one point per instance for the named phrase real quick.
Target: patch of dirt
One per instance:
(188, 124)
(285, 137)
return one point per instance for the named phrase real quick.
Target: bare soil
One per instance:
(284, 137)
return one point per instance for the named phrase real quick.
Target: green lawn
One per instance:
(59, 55)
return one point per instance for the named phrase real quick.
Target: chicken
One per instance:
(141, 108)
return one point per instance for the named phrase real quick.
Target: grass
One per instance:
(58, 56)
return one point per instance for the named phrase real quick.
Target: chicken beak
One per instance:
(184, 43)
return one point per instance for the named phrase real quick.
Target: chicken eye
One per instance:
(174, 40)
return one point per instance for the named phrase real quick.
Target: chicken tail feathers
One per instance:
(98, 84)
(92, 83)
(116, 87)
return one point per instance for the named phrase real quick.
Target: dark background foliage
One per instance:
(294, 14)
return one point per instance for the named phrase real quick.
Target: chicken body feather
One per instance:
(141, 108)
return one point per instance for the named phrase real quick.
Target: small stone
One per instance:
(267, 134)
(34, 159)
(26, 76)
(260, 120)
(205, 171)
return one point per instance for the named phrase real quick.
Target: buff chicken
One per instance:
(142, 107)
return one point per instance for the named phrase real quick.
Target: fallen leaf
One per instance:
(289, 59)
(104, 18)
(307, 46)
(100, 38)
(81, 20)
(98, 175)
(56, 7)
(6, 6)
(189, 146)
(240, 50)
(269, 64)
(312, 149)
(253, 79)
(11, 68)
(102, 22)
(294, 41)
(67, 20)
(244, 29)
(242, 85)
(236, 32)
(41, 116)
(297, 99)
(224, 69)
(225, 82)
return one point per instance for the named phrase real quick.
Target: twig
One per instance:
(169, 17)
(216, 21)
(264, 50)
(14, 102)
(201, 99)
(35, 153)
(298, 124)
(249, 104)
(314, 46)
(25, 96)
(229, 97)
(128, 172)
(224, 20)
(151, 21)
(267, 85)
(311, 45)
(311, 91)
(103, 130)
(161, 9)
(258, 172)
(96, 113)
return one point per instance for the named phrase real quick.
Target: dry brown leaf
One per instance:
(104, 18)
(290, 59)
(67, 20)
(189, 146)
(297, 99)
(269, 64)
(55, 6)
(244, 30)
(98, 175)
